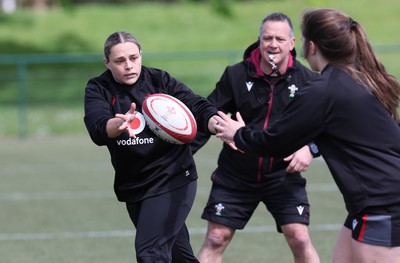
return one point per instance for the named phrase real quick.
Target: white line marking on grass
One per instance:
(202, 191)
(131, 233)
(66, 235)
(19, 196)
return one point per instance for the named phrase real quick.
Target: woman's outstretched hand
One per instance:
(128, 118)
(226, 127)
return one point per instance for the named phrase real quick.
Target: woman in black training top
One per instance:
(156, 179)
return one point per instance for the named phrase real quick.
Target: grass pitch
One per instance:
(57, 206)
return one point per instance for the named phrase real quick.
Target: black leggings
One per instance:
(161, 233)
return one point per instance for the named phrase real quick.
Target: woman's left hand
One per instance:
(226, 127)
(299, 161)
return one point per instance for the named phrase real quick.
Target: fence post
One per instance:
(23, 120)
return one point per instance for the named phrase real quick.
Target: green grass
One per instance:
(174, 27)
(56, 196)
(56, 191)
(53, 100)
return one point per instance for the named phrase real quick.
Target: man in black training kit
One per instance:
(259, 88)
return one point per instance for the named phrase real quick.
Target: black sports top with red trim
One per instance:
(356, 136)
(260, 100)
(146, 165)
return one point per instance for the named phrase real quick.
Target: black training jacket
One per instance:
(244, 88)
(356, 135)
(147, 165)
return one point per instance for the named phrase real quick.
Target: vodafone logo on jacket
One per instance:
(138, 124)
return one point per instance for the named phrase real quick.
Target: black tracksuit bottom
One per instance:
(161, 233)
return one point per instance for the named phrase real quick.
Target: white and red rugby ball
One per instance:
(169, 118)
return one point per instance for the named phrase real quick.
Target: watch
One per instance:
(314, 149)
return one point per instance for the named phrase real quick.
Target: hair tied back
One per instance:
(353, 23)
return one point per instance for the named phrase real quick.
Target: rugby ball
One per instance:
(169, 118)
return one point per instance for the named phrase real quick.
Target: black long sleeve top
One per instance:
(145, 165)
(356, 135)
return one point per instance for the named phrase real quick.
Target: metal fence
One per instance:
(22, 74)
(25, 74)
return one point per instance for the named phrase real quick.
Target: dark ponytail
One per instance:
(343, 42)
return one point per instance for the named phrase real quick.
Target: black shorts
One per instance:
(284, 196)
(378, 226)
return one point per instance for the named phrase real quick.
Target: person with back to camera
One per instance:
(351, 112)
(156, 179)
(260, 87)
